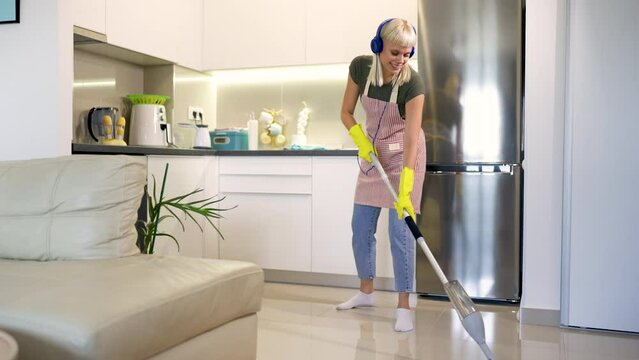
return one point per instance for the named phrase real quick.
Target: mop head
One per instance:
(470, 318)
(474, 325)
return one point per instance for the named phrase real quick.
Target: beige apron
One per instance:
(385, 128)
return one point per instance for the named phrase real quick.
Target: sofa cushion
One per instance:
(70, 207)
(125, 308)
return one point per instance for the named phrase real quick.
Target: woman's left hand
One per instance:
(403, 198)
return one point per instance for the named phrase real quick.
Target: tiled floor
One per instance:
(300, 322)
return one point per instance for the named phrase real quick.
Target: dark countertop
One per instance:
(148, 150)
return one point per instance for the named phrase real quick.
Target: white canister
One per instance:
(252, 126)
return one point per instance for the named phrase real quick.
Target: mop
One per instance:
(470, 317)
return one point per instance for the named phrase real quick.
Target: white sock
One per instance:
(404, 320)
(360, 299)
(412, 300)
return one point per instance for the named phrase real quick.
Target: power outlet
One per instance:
(195, 113)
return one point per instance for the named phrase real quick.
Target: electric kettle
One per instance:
(202, 137)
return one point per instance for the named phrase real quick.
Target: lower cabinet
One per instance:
(271, 225)
(185, 174)
(294, 213)
(290, 212)
(271, 230)
(334, 181)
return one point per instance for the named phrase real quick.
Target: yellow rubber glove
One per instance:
(364, 145)
(405, 188)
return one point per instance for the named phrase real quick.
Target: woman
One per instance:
(392, 95)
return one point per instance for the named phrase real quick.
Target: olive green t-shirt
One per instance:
(361, 66)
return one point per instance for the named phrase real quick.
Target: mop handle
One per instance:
(411, 223)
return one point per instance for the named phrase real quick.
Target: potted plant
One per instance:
(148, 230)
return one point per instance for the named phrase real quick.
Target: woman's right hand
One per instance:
(364, 145)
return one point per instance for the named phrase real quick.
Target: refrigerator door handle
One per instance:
(506, 169)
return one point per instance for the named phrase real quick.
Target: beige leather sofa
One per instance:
(74, 286)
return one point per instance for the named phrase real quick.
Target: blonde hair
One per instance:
(399, 32)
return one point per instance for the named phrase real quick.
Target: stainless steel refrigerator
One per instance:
(470, 55)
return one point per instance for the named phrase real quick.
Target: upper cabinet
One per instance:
(253, 33)
(213, 35)
(337, 30)
(167, 29)
(90, 15)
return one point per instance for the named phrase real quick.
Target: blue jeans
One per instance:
(364, 226)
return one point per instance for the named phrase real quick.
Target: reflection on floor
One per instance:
(300, 322)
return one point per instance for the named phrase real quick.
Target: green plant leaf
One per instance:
(175, 216)
(177, 199)
(172, 237)
(184, 203)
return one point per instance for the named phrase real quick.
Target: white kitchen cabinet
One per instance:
(186, 173)
(271, 225)
(250, 33)
(170, 30)
(90, 15)
(334, 180)
(338, 36)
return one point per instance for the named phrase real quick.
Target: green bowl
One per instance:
(148, 99)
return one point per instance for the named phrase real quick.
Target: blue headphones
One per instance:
(377, 44)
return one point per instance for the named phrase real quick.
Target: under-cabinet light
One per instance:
(282, 74)
(94, 83)
(331, 72)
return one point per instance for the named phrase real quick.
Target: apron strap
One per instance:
(368, 84)
(393, 97)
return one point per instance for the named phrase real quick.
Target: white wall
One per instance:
(600, 235)
(36, 81)
(544, 142)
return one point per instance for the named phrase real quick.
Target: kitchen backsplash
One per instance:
(286, 89)
(192, 88)
(101, 82)
(104, 82)
(226, 98)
